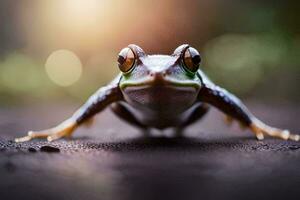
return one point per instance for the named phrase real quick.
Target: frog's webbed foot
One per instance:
(64, 129)
(260, 130)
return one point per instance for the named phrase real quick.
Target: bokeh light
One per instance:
(63, 67)
(246, 45)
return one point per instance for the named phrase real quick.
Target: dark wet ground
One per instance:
(112, 160)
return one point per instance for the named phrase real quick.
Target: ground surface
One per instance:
(112, 160)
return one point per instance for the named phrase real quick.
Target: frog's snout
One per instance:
(158, 77)
(155, 74)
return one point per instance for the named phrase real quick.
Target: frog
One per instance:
(159, 92)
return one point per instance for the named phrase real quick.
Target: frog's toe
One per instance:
(260, 130)
(60, 134)
(260, 136)
(23, 139)
(31, 135)
(63, 130)
(294, 137)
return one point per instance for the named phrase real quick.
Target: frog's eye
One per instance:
(191, 59)
(126, 59)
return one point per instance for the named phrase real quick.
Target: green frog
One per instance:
(161, 91)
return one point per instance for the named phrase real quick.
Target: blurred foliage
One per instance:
(251, 48)
(242, 62)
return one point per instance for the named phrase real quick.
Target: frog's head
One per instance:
(150, 78)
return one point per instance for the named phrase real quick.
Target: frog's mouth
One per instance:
(161, 98)
(154, 82)
(162, 94)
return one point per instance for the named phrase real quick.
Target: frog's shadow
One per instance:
(164, 143)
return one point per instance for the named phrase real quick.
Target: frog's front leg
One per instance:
(96, 103)
(235, 109)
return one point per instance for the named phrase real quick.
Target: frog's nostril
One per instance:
(157, 74)
(158, 77)
(153, 74)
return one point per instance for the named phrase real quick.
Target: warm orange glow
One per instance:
(89, 26)
(81, 9)
(77, 14)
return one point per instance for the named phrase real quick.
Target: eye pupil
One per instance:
(191, 59)
(126, 59)
(121, 59)
(196, 59)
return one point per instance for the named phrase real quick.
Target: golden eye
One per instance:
(126, 59)
(191, 59)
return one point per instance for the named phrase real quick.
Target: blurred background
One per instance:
(56, 50)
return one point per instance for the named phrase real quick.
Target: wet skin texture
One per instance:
(161, 91)
(158, 92)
